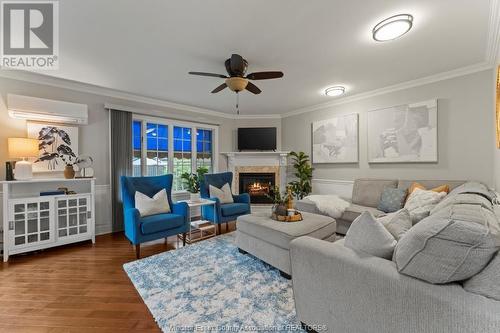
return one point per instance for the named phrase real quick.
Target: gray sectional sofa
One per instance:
(350, 292)
(366, 196)
(344, 290)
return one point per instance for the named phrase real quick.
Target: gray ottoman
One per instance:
(269, 240)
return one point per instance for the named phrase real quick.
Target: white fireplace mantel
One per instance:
(265, 159)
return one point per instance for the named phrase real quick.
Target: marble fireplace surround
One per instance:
(257, 162)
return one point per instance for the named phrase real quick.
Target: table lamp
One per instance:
(23, 148)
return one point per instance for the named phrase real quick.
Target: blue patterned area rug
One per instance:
(210, 286)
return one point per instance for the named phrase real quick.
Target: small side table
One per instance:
(199, 229)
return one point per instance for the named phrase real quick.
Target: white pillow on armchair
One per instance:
(223, 194)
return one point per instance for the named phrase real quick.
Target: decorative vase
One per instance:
(195, 197)
(69, 172)
(279, 210)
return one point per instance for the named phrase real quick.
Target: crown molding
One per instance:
(396, 87)
(42, 79)
(107, 92)
(258, 116)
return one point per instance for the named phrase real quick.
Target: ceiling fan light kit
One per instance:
(236, 84)
(392, 27)
(237, 67)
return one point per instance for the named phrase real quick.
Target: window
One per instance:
(157, 149)
(137, 148)
(182, 154)
(204, 148)
(163, 146)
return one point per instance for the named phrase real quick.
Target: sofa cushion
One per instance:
(397, 223)
(421, 202)
(161, 222)
(463, 198)
(231, 209)
(368, 235)
(367, 192)
(391, 200)
(306, 205)
(474, 187)
(487, 282)
(475, 214)
(452, 184)
(261, 226)
(353, 211)
(444, 249)
(440, 188)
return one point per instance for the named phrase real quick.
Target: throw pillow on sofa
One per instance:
(474, 187)
(487, 282)
(158, 204)
(444, 249)
(392, 200)
(223, 194)
(397, 223)
(441, 188)
(368, 235)
(421, 202)
(463, 198)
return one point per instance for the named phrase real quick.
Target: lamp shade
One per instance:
(22, 147)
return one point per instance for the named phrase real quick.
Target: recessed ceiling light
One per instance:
(392, 27)
(335, 91)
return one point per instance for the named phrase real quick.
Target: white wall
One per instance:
(465, 132)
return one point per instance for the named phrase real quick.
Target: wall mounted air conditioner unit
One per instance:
(47, 110)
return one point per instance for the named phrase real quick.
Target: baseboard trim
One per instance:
(103, 229)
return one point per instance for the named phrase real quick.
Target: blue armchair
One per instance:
(222, 213)
(143, 229)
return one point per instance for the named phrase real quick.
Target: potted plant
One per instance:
(192, 182)
(301, 187)
(69, 169)
(279, 201)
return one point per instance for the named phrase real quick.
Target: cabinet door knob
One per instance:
(89, 214)
(11, 225)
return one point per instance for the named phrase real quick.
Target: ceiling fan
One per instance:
(236, 67)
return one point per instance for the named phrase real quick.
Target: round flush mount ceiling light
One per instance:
(392, 27)
(335, 91)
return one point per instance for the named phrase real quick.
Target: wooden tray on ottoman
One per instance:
(285, 218)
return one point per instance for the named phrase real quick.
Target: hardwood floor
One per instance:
(77, 288)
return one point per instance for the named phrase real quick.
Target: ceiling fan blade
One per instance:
(219, 88)
(264, 75)
(209, 74)
(237, 64)
(253, 88)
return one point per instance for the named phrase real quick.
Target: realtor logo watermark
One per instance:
(29, 35)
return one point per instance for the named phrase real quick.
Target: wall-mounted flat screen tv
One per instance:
(257, 138)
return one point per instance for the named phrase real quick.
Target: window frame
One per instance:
(178, 123)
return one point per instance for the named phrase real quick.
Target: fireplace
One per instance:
(257, 185)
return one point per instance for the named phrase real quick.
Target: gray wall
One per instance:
(94, 137)
(465, 132)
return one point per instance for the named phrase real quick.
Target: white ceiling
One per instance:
(147, 47)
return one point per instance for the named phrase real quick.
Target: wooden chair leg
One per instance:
(227, 227)
(183, 239)
(138, 251)
(219, 229)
